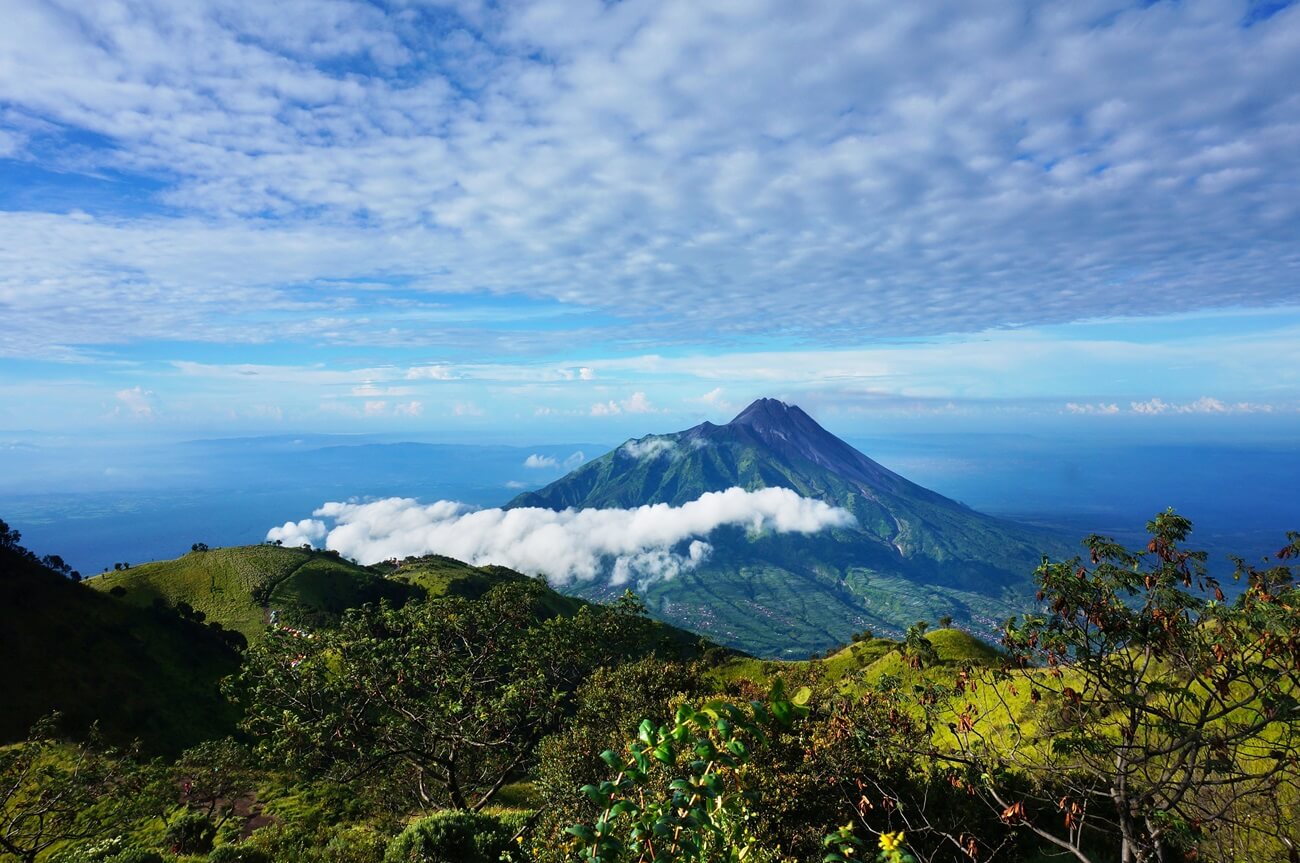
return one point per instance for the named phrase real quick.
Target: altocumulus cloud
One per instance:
(647, 543)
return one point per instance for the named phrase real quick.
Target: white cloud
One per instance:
(375, 408)
(540, 462)
(408, 409)
(716, 400)
(586, 374)
(368, 389)
(466, 409)
(637, 403)
(1203, 405)
(295, 533)
(576, 458)
(648, 448)
(1099, 408)
(647, 543)
(430, 373)
(1008, 163)
(135, 402)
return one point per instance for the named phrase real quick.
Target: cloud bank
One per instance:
(645, 544)
(931, 168)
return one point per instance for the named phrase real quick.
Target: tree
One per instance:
(9, 538)
(213, 776)
(446, 699)
(680, 794)
(1158, 713)
(57, 564)
(53, 792)
(918, 649)
(199, 546)
(945, 621)
(686, 791)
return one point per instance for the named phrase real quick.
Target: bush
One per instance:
(355, 845)
(238, 854)
(191, 833)
(113, 850)
(136, 855)
(452, 837)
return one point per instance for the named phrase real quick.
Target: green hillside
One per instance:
(239, 587)
(913, 554)
(870, 659)
(140, 672)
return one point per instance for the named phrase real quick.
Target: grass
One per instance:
(226, 584)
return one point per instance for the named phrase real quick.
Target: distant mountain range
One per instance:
(914, 553)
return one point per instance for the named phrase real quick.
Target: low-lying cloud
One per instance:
(645, 544)
(650, 447)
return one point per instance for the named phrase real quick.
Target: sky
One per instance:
(570, 220)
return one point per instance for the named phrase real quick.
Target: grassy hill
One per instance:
(238, 587)
(872, 659)
(141, 672)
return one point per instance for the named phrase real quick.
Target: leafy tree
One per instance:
(447, 699)
(56, 563)
(611, 701)
(213, 776)
(702, 814)
(1164, 715)
(945, 621)
(53, 792)
(9, 538)
(191, 833)
(918, 649)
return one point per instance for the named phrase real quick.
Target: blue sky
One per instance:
(584, 220)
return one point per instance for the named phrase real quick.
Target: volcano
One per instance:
(913, 554)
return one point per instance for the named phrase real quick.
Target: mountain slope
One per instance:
(140, 672)
(913, 554)
(238, 587)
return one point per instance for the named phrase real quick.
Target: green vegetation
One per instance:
(141, 673)
(480, 717)
(239, 587)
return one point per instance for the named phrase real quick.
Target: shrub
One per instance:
(113, 850)
(136, 855)
(238, 854)
(355, 845)
(451, 837)
(191, 833)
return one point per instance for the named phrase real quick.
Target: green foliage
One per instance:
(52, 792)
(357, 844)
(213, 776)
(703, 813)
(608, 703)
(191, 832)
(1171, 714)
(113, 850)
(453, 837)
(448, 698)
(242, 853)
